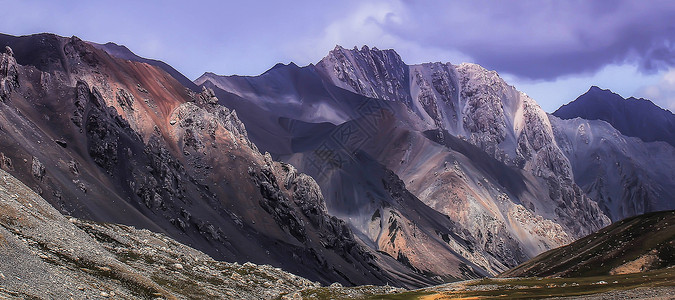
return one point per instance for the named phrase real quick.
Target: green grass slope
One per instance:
(636, 244)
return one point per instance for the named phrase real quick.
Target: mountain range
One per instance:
(359, 169)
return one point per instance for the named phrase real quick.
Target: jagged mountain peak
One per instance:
(209, 74)
(478, 69)
(596, 88)
(371, 56)
(282, 65)
(364, 49)
(205, 77)
(373, 73)
(596, 93)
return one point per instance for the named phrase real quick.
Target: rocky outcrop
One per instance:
(437, 90)
(223, 116)
(37, 169)
(6, 163)
(277, 204)
(124, 99)
(9, 76)
(102, 142)
(305, 193)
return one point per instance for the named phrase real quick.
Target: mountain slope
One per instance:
(46, 255)
(119, 141)
(632, 117)
(450, 133)
(637, 244)
(624, 175)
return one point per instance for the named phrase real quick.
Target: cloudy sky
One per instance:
(551, 50)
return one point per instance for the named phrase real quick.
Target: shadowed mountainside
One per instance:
(624, 175)
(632, 117)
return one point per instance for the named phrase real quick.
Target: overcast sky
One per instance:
(551, 50)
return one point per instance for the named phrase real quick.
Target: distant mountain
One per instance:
(637, 244)
(632, 117)
(608, 141)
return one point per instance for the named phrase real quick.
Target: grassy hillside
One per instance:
(636, 244)
(651, 284)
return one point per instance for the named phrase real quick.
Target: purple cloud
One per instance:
(544, 39)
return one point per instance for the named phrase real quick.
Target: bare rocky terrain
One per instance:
(46, 255)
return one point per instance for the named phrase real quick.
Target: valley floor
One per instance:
(658, 284)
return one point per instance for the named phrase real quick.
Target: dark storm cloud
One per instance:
(544, 39)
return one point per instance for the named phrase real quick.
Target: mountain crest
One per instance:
(365, 49)
(122, 52)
